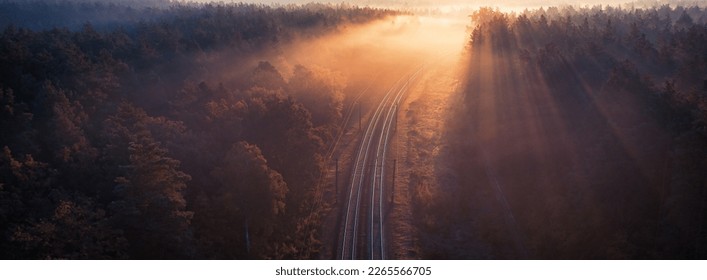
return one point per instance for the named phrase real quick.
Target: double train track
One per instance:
(363, 233)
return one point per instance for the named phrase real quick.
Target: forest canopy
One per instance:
(583, 135)
(114, 145)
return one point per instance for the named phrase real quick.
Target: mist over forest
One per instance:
(178, 130)
(582, 136)
(115, 145)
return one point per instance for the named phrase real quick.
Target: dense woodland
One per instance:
(115, 144)
(592, 122)
(155, 130)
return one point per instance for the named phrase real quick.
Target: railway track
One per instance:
(363, 229)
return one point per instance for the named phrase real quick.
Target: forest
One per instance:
(582, 135)
(151, 130)
(172, 130)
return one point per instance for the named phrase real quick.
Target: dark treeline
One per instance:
(591, 124)
(104, 15)
(115, 145)
(73, 14)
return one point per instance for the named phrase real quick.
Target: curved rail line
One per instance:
(363, 179)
